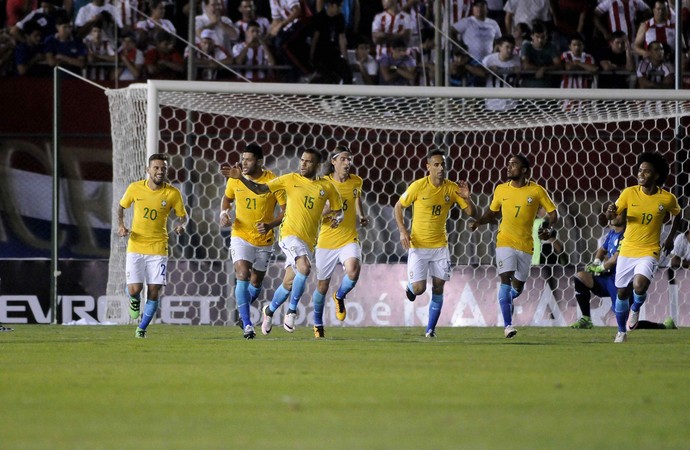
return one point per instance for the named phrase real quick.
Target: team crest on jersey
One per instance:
(529, 200)
(322, 192)
(354, 193)
(163, 203)
(447, 198)
(661, 207)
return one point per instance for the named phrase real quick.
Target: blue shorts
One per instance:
(605, 286)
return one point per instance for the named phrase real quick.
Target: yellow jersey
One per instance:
(346, 233)
(430, 211)
(251, 209)
(518, 208)
(304, 206)
(149, 230)
(645, 217)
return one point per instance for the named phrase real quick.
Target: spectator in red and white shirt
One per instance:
(660, 28)
(389, 26)
(254, 51)
(131, 59)
(575, 59)
(620, 16)
(653, 72)
(248, 10)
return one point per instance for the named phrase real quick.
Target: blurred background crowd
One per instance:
(497, 43)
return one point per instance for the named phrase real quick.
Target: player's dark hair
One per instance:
(524, 161)
(618, 34)
(158, 157)
(658, 162)
(314, 151)
(338, 150)
(435, 152)
(505, 38)
(255, 149)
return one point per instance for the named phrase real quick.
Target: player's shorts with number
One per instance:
(627, 268)
(509, 259)
(294, 247)
(424, 261)
(149, 269)
(258, 256)
(328, 258)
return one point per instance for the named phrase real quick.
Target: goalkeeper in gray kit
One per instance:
(599, 277)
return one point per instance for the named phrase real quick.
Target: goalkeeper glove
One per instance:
(595, 268)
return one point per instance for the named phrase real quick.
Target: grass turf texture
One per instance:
(206, 387)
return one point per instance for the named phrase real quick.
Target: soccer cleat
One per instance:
(583, 323)
(410, 295)
(134, 305)
(633, 319)
(249, 332)
(430, 333)
(289, 321)
(267, 323)
(621, 337)
(4, 328)
(509, 332)
(340, 311)
(319, 332)
(669, 324)
(141, 334)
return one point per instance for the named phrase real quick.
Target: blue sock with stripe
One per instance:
(505, 302)
(253, 292)
(242, 300)
(318, 299)
(279, 297)
(622, 310)
(149, 313)
(435, 306)
(638, 301)
(299, 284)
(345, 287)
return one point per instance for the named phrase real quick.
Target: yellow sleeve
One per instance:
(229, 189)
(410, 195)
(178, 204)
(495, 205)
(128, 197)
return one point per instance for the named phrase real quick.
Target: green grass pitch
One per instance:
(381, 388)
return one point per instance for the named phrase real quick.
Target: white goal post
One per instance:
(583, 145)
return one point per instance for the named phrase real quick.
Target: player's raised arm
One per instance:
(465, 193)
(236, 173)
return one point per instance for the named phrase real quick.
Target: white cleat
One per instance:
(267, 323)
(289, 322)
(633, 319)
(621, 337)
(509, 332)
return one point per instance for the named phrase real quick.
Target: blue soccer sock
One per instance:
(638, 301)
(299, 284)
(318, 299)
(434, 311)
(345, 287)
(622, 310)
(253, 292)
(279, 297)
(242, 299)
(505, 302)
(149, 313)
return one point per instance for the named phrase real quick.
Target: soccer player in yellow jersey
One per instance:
(646, 207)
(251, 245)
(306, 196)
(427, 244)
(339, 244)
(147, 248)
(516, 203)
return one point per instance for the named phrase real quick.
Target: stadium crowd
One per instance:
(535, 43)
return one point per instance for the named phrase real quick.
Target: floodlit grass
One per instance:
(206, 387)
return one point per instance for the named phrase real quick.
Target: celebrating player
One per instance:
(339, 244)
(147, 248)
(645, 207)
(251, 243)
(516, 203)
(599, 277)
(427, 245)
(306, 196)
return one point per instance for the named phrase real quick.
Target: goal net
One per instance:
(583, 145)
